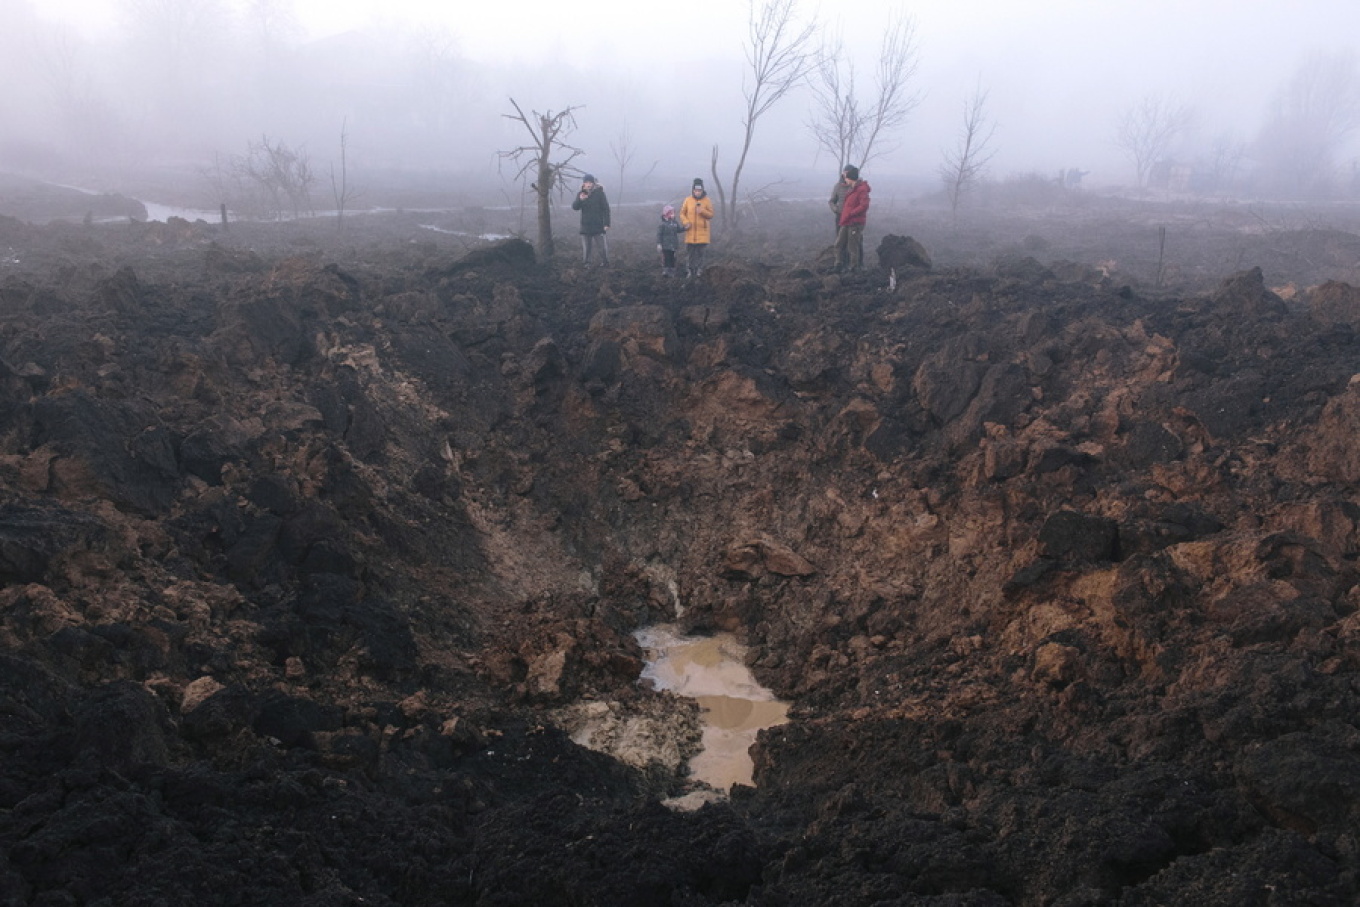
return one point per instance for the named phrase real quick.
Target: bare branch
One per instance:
(836, 123)
(897, 63)
(542, 159)
(277, 174)
(849, 126)
(717, 181)
(623, 151)
(964, 165)
(1149, 128)
(341, 190)
(779, 55)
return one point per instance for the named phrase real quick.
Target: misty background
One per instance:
(161, 97)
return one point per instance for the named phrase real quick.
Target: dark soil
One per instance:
(306, 535)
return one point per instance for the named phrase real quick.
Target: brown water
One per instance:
(712, 670)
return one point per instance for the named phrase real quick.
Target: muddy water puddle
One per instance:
(712, 670)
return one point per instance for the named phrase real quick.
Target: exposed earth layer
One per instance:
(315, 545)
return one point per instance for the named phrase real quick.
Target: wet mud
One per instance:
(322, 555)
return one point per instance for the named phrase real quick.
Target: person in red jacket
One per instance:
(854, 214)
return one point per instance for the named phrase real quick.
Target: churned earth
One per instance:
(318, 546)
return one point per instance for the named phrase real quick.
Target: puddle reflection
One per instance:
(712, 670)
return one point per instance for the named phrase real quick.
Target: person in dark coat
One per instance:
(838, 193)
(668, 234)
(854, 215)
(594, 208)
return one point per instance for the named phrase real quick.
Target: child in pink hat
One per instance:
(668, 234)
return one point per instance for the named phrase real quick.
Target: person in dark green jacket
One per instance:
(838, 193)
(854, 214)
(594, 208)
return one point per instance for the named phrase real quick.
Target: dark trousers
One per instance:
(694, 256)
(588, 243)
(850, 246)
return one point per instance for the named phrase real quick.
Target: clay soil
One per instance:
(317, 544)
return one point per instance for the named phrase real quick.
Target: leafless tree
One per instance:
(1223, 161)
(836, 121)
(964, 164)
(1311, 117)
(341, 190)
(1149, 128)
(848, 126)
(623, 149)
(281, 176)
(542, 159)
(779, 55)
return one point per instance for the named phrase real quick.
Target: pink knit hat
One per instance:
(668, 211)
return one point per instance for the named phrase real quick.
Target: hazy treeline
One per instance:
(191, 85)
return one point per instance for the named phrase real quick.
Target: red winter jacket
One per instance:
(855, 209)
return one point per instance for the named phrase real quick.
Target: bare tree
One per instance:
(546, 131)
(836, 120)
(848, 126)
(779, 55)
(1148, 129)
(964, 164)
(281, 176)
(623, 150)
(341, 190)
(894, 101)
(1311, 117)
(1223, 161)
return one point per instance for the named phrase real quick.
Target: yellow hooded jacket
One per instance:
(695, 214)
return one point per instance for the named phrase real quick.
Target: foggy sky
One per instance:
(92, 84)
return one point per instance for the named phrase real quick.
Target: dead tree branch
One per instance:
(541, 161)
(964, 164)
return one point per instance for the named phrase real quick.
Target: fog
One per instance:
(107, 93)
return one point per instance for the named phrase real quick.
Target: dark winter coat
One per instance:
(594, 210)
(837, 199)
(668, 234)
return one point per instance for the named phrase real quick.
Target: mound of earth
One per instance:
(309, 546)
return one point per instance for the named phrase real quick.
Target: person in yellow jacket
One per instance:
(696, 212)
